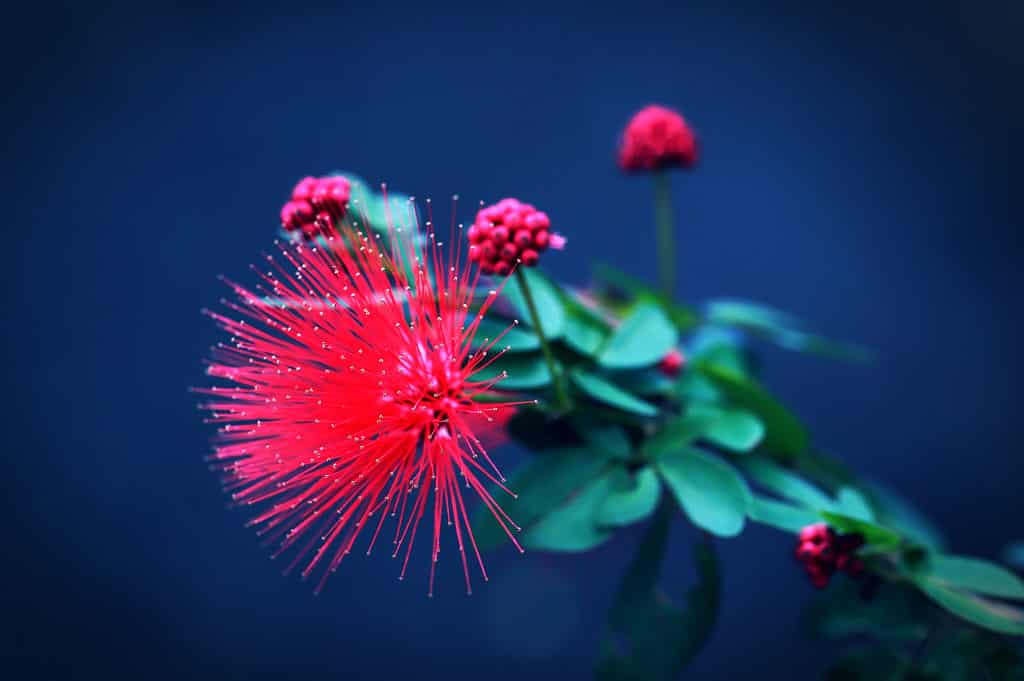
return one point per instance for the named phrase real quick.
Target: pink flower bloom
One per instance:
(657, 138)
(510, 232)
(350, 396)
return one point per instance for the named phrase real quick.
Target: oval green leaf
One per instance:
(546, 297)
(632, 497)
(975, 575)
(523, 372)
(642, 339)
(573, 526)
(607, 392)
(711, 492)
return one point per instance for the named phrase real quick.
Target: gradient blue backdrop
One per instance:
(859, 170)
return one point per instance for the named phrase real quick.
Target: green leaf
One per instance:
(546, 297)
(873, 534)
(516, 338)
(524, 372)
(660, 638)
(732, 429)
(981, 611)
(895, 613)
(893, 511)
(786, 483)
(779, 328)
(642, 339)
(633, 497)
(604, 391)
(779, 515)
(784, 434)
(573, 526)
(585, 332)
(369, 205)
(540, 486)
(852, 503)
(973, 574)
(683, 318)
(711, 492)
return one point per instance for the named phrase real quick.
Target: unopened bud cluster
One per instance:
(510, 232)
(317, 203)
(824, 552)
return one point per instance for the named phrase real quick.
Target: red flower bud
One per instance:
(657, 138)
(529, 257)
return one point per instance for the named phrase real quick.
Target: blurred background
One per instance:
(859, 170)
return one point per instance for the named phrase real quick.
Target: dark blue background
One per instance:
(857, 172)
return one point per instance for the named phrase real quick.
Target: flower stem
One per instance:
(561, 397)
(665, 232)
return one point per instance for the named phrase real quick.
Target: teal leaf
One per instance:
(573, 526)
(852, 503)
(785, 483)
(683, 317)
(780, 515)
(516, 338)
(540, 486)
(873, 534)
(779, 328)
(784, 434)
(523, 372)
(660, 639)
(973, 608)
(895, 613)
(632, 497)
(607, 392)
(711, 492)
(547, 298)
(733, 429)
(585, 331)
(893, 511)
(973, 574)
(642, 339)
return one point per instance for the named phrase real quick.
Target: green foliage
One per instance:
(784, 434)
(684, 318)
(633, 496)
(605, 391)
(585, 331)
(642, 339)
(1014, 554)
(515, 338)
(779, 328)
(548, 298)
(541, 486)
(974, 575)
(895, 512)
(710, 491)
(573, 526)
(523, 371)
(650, 639)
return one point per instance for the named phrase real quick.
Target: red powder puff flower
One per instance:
(657, 138)
(351, 396)
(316, 205)
(510, 232)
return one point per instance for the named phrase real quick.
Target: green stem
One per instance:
(665, 232)
(561, 396)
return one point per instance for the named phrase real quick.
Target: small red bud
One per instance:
(499, 235)
(502, 268)
(529, 257)
(509, 252)
(541, 240)
(523, 238)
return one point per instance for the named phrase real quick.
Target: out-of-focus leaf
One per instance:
(784, 434)
(367, 205)
(852, 503)
(722, 347)
(573, 526)
(895, 512)
(632, 497)
(642, 339)
(1014, 554)
(516, 338)
(711, 492)
(785, 483)
(600, 434)
(779, 328)
(973, 608)
(874, 665)
(652, 639)
(585, 331)
(683, 318)
(733, 429)
(607, 392)
(780, 515)
(973, 574)
(873, 534)
(541, 485)
(547, 298)
(523, 372)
